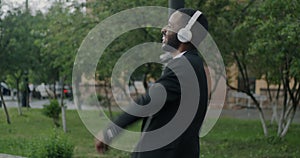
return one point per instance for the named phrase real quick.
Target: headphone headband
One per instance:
(193, 20)
(185, 34)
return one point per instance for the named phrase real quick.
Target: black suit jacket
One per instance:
(187, 144)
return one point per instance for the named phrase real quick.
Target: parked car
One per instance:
(67, 91)
(5, 88)
(46, 91)
(43, 90)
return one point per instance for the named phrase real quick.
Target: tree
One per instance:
(260, 38)
(52, 110)
(276, 32)
(3, 46)
(2, 102)
(225, 18)
(64, 32)
(16, 46)
(103, 9)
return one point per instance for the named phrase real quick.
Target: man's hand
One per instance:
(100, 146)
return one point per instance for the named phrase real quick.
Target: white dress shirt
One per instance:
(179, 55)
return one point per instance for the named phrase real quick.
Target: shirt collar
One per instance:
(179, 55)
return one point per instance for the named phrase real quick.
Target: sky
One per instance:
(34, 5)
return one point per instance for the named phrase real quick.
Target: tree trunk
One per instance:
(287, 113)
(289, 121)
(271, 99)
(4, 107)
(145, 75)
(54, 90)
(261, 114)
(107, 98)
(291, 111)
(135, 89)
(63, 108)
(76, 92)
(275, 106)
(18, 96)
(274, 112)
(280, 122)
(283, 119)
(63, 118)
(263, 121)
(285, 103)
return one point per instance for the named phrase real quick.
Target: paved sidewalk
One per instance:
(38, 104)
(253, 114)
(9, 156)
(244, 113)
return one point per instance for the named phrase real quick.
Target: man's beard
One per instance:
(172, 44)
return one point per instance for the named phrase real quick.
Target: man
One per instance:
(186, 145)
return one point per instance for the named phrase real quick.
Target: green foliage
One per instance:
(262, 35)
(17, 53)
(276, 39)
(53, 110)
(56, 146)
(104, 9)
(63, 32)
(107, 8)
(122, 44)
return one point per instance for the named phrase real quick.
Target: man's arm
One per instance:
(171, 84)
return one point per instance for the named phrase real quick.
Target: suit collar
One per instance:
(185, 53)
(192, 51)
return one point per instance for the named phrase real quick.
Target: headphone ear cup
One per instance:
(184, 35)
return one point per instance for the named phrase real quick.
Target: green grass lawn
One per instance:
(229, 138)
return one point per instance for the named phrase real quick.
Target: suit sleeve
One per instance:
(171, 84)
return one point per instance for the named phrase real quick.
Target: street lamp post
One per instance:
(25, 96)
(175, 4)
(27, 6)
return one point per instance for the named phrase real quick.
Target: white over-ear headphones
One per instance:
(185, 35)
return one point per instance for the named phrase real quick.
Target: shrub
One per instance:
(56, 146)
(53, 110)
